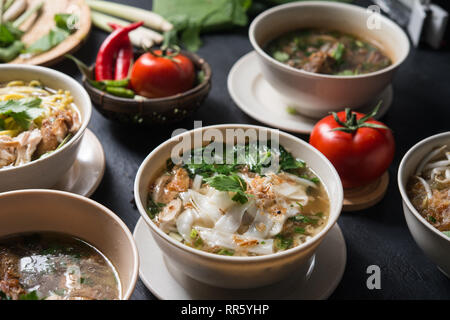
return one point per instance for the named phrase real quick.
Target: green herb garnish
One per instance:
(282, 242)
(32, 295)
(226, 252)
(23, 111)
(232, 183)
(153, 208)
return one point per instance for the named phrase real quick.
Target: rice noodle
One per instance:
(427, 159)
(426, 186)
(197, 184)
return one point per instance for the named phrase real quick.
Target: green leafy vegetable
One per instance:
(303, 219)
(338, 53)
(32, 295)
(23, 111)
(64, 27)
(299, 230)
(232, 183)
(225, 252)
(282, 242)
(66, 21)
(153, 208)
(447, 233)
(432, 219)
(48, 41)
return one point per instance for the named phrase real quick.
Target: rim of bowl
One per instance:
(104, 210)
(421, 144)
(319, 4)
(321, 234)
(205, 67)
(65, 78)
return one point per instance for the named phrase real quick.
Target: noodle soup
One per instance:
(34, 122)
(246, 208)
(54, 266)
(429, 189)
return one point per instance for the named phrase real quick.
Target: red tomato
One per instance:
(158, 74)
(361, 153)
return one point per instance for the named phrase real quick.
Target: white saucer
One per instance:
(85, 175)
(253, 95)
(324, 275)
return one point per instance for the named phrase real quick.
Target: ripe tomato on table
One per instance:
(360, 148)
(162, 73)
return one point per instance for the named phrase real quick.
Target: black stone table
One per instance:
(377, 236)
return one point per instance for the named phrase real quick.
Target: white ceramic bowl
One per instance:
(433, 243)
(57, 211)
(45, 173)
(313, 94)
(237, 272)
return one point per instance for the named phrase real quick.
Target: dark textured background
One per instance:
(376, 236)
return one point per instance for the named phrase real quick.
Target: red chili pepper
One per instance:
(125, 56)
(104, 65)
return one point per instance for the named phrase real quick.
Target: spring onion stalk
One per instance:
(24, 17)
(8, 4)
(141, 37)
(15, 10)
(151, 19)
(2, 7)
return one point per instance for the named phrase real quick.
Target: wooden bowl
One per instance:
(154, 111)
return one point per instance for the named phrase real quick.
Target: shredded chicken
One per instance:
(28, 141)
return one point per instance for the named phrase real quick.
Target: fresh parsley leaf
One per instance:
(432, 219)
(23, 111)
(153, 208)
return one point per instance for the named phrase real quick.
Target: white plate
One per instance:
(85, 175)
(253, 95)
(324, 275)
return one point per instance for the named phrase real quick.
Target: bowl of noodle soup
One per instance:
(424, 183)
(43, 116)
(235, 226)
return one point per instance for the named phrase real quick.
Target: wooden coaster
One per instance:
(367, 196)
(40, 24)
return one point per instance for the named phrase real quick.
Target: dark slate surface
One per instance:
(376, 236)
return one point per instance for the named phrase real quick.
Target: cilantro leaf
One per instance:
(232, 183)
(23, 111)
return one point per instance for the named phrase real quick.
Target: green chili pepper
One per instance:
(120, 92)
